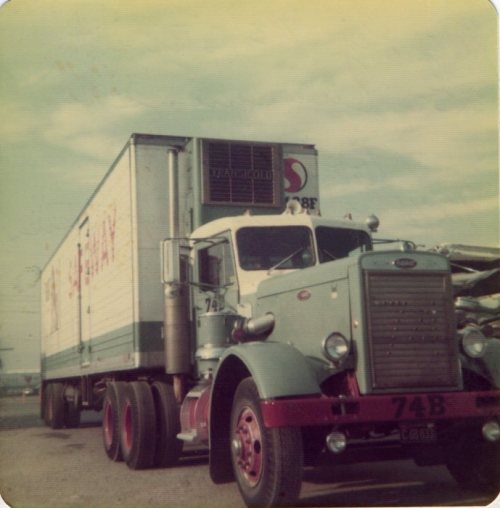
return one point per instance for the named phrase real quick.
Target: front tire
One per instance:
(267, 463)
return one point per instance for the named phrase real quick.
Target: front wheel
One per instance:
(267, 463)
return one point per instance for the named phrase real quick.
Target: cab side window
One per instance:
(215, 265)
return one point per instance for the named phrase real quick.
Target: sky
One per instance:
(400, 98)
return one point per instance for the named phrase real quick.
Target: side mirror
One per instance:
(170, 261)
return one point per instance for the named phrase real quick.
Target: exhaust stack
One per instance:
(177, 351)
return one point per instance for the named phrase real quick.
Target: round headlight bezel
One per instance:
(474, 342)
(336, 347)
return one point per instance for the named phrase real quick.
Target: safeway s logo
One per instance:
(295, 175)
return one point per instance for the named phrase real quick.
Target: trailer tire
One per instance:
(45, 404)
(168, 447)
(54, 411)
(112, 407)
(267, 463)
(474, 463)
(138, 426)
(72, 411)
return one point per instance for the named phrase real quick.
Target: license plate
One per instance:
(418, 434)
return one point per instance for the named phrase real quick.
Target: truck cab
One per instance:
(238, 253)
(232, 257)
(303, 329)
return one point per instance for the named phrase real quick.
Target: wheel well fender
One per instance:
(278, 369)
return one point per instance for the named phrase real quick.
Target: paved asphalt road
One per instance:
(40, 467)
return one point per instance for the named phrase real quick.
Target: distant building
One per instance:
(17, 382)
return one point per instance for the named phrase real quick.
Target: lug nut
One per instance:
(236, 447)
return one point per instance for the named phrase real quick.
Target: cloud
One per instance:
(73, 118)
(89, 128)
(440, 211)
(446, 221)
(18, 122)
(397, 183)
(355, 187)
(85, 175)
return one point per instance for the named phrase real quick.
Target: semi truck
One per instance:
(200, 298)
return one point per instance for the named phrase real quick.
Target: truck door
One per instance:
(84, 293)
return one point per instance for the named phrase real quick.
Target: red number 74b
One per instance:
(419, 406)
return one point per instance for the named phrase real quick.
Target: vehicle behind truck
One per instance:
(201, 298)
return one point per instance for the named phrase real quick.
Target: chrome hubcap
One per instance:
(246, 447)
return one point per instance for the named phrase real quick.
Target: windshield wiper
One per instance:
(283, 261)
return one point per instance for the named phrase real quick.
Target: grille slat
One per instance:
(410, 331)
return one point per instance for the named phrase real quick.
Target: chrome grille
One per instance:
(411, 331)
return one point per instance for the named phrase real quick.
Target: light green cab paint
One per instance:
(278, 369)
(310, 304)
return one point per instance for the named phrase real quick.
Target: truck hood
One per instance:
(299, 280)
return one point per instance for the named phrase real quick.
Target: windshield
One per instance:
(276, 247)
(336, 243)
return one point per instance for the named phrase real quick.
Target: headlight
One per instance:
(336, 347)
(473, 342)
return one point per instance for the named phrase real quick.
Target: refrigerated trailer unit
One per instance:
(200, 297)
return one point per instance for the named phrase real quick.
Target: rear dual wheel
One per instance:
(112, 404)
(140, 424)
(168, 447)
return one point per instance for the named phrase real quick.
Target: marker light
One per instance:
(336, 442)
(491, 431)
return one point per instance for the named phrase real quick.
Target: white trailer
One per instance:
(102, 296)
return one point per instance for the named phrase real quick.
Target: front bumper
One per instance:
(397, 408)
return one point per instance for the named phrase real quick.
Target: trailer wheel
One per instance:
(45, 404)
(54, 411)
(72, 411)
(267, 462)
(138, 426)
(474, 463)
(112, 404)
(168, 447)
